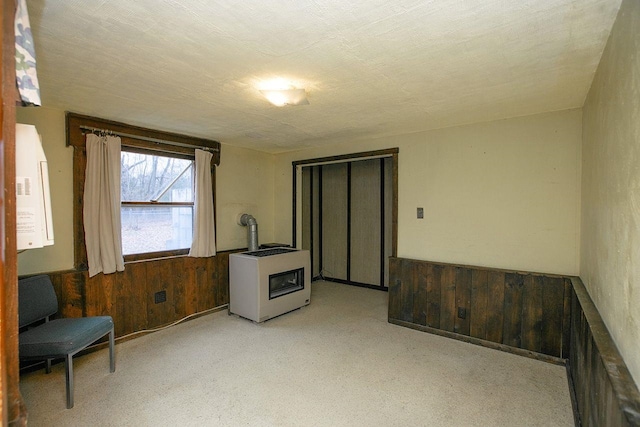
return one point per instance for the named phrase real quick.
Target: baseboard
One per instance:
(483, 343)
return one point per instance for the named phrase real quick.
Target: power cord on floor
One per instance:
(146, 331)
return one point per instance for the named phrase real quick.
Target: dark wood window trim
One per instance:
(184, 148)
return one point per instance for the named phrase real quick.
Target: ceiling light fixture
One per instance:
(282, 97)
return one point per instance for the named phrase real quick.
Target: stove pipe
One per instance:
(252, 230)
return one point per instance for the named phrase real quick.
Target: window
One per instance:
(157, 202)
(157, 187)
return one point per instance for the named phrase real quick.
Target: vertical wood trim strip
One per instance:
(294, 208)
(9, 362)
(382, 224)
(349, 222)
(79, 247)
(320, 228)
(394, 213)
(311, 240)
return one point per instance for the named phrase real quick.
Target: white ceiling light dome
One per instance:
(281, 92)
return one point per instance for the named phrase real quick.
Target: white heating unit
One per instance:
(267, 283)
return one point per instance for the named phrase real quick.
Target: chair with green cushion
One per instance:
(58, 338)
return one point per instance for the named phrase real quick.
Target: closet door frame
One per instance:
(297, 222)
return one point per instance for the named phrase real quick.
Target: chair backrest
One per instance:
(36, 299)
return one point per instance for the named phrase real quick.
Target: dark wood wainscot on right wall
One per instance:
(542, 316)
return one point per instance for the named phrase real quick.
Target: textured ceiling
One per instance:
(371, 67)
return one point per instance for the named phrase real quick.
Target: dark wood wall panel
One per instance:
(495, 305)
(70, 291)
(421, 300)
(606, 394)
(552, 315)
(407, 295)
(131, 301)
(433, 273)
(447, 298)
(479, 304)
(206, 283)
(395, 298)
(547, 317)
(463, 300)
(512, 323)
(192, 285)
(524, 311)
(532, 313)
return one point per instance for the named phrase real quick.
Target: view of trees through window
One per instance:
(157, 202)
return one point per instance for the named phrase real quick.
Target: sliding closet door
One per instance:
(347, 220)
(307, 206)
(387, 187)
(333, 220)
(366, 222)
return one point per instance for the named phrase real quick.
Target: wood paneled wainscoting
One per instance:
(191, 285)
(547, 317)
(606, 394)
(522, 313)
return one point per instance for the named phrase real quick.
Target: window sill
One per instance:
(154, 256)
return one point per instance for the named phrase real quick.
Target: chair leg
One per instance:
(47, 368)
(68, 369)
(112, 356)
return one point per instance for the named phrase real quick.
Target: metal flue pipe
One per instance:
(252, 230)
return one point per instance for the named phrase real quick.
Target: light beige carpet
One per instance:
(336, 362)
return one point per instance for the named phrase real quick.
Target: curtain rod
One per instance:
(146, 138)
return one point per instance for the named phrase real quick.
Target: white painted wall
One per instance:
(501, 194)
(610, 251)
(244, 182)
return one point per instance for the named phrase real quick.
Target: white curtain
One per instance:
(102, 225)
(204, 232)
